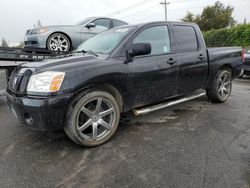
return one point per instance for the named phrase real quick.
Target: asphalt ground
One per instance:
(195, 144)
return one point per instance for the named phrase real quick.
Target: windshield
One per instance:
(248, 51)
(83, 22)
(106, 41)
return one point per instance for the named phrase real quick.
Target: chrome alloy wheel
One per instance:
(59, 42)
(225, 85)
(96, 119)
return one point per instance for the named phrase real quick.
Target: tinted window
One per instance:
(117, 23)
(102, 23)
(185, 38)
(158, 37)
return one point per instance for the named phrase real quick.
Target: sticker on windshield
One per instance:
(121, 30)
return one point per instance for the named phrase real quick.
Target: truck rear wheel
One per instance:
(92, 118)
(221, 87)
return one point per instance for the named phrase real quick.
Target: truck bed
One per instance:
(228, 56)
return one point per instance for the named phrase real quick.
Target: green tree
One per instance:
(4, 43)
(213, 17)
(189, 17)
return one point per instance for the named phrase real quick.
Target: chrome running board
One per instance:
(166, 104)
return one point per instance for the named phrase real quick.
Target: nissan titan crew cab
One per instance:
(141, 68)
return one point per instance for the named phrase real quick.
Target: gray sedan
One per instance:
(68, 37)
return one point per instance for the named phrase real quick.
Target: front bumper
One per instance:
(39, 113)
(35, 41)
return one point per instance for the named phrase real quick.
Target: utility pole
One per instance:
(165, 4)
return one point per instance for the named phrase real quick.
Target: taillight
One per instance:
(243, 55)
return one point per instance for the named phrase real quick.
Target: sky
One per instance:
(17, 16)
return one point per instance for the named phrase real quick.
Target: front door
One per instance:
(154, 76)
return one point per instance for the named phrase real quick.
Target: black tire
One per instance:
(86, 100)
(215, 93)
(64, 46)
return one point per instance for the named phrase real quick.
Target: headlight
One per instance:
(49, 81)
(39, 30)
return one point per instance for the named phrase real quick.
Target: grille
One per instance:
(19, 80)
(15, 81)
(30, 42)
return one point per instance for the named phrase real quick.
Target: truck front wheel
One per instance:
(221, 86)
(92, 118)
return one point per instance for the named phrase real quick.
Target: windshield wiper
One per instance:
(89, 52)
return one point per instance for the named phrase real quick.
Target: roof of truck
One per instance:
(157, 22)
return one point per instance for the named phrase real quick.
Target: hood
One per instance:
(63, 63)
(55, 27)
(60, 26)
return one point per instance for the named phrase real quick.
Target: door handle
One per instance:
(171, 61)
(201, 56)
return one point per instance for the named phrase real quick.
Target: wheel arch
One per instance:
(116, 93)
(227, 67)
(213, 74)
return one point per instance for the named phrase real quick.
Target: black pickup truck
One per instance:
(141, 68)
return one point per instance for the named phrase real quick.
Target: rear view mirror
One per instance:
(90, 25)
(141, 49)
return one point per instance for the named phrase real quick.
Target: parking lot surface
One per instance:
(195, 144)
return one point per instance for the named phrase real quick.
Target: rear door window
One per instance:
(158, 37)
(117, 23)
(185, 38)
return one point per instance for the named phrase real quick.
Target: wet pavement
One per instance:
(195, 144)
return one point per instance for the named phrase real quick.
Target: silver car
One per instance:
(68, 37)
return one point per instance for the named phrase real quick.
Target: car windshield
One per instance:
(248, 51)
(85, 21)
(105, 42)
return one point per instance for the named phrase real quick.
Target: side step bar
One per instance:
(166, 104)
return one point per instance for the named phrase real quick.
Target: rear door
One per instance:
(153, 76)
(191, 57)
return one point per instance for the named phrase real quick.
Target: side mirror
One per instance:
(141, 49)
(90, 25)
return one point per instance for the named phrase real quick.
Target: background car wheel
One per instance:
(222, 86)
(58, 42)
(92, 118)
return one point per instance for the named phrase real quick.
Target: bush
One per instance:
(235, 36)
